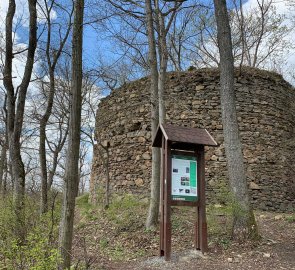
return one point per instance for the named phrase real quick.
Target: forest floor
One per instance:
(116, 239)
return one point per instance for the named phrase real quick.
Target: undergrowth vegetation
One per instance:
(118, 233)
(38, 251)
(102, 235)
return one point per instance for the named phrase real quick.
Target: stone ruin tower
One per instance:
(266, 115)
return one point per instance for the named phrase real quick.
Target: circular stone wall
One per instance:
(266, 113)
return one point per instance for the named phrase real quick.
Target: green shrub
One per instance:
(39, 249)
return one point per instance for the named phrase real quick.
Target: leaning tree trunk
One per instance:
(153, 212)
(71, 183)
(244, 225)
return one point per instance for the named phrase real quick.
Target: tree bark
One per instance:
(3, 161)
(4, 183)
(2, 166)
(71, 184)
(15, 112)
(163, 55)
(244, 225)
(42, 148)
(153, 212)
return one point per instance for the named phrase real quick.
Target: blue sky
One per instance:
(95, 44)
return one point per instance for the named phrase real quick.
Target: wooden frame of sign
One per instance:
(185, 148)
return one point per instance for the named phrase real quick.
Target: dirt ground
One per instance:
(117, 239)
(276, 250)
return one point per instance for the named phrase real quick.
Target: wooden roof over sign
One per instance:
(198, 136)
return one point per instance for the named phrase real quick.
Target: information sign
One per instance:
(184, 178)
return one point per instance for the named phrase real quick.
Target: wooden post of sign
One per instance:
(162, 194)
(167, 202)
(202, 226)
(197, 223)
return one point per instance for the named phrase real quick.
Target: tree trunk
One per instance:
(15, 112)
(244, 225)
(2, 166)
(3, 161)
(153, 212)
(71, 184)
(42, 140)
(163, 55)
(43, 166)
(5, 175)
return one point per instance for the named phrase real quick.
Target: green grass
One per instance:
(82, 202)
(290, 218)
(125, 212)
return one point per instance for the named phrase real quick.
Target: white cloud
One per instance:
(21, 18)
(21, 23)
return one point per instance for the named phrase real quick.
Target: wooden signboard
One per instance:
(182, 179)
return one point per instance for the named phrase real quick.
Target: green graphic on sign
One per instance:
(184, 178)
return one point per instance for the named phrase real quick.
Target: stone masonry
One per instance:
(266, 115)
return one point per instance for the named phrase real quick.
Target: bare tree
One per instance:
(244, 225)
(56, 145)
(57, 126)
(72, 168)
(53, 53)
(91, 98)
(179, 37)
(16, 104)
(151, 21)
(259, 36)
(158, 20)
